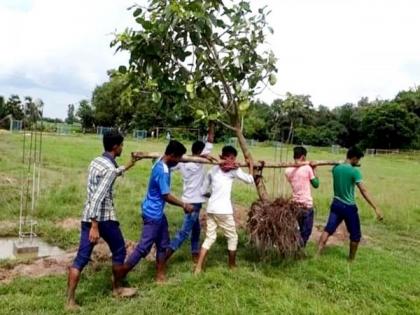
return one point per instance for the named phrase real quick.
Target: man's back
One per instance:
(345, 177)
(101, 178)
(193, 177)
(300, 180)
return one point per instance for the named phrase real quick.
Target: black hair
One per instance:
(229, 150)
(355, 152)
(175, 148)
(298, 152)
(112, 138)
(197, 147)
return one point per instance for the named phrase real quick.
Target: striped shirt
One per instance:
(99, 204)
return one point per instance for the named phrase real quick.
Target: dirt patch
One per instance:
(7, 226)
(6, 180)
(39, 268)
(340, 236)
(58, 265)
(240, 215)
(69, 224)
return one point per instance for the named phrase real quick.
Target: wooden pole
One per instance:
(185, 158)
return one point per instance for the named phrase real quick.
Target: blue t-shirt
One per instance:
(159, 185)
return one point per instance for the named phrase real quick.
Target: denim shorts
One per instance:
(341, 211)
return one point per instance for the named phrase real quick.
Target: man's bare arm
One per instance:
(169, 198)
(365, 195)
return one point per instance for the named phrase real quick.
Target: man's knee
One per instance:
(118, 255)
(209, 241)
(233, 242)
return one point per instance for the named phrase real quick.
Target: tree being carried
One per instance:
(207, 56)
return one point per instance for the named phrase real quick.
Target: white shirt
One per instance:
(220, 184)
(193, 176)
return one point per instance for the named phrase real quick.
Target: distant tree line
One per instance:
(384, 124)
(391, 123)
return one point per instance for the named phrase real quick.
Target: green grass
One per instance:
(385, 278)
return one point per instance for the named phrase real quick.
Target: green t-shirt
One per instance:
(345, 177)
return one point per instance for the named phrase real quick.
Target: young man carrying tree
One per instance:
(155, 224)
(99, 219)
(301, 178)
(219, 181)
(343, 207)
(193, 178)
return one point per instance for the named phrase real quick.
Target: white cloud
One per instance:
(334, 50)
(59, 47)
(338, 51)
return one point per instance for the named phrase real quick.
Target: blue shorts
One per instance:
(155, 231)
(341, 211)
(110, 233)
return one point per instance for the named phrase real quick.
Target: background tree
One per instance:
(14, 107)
(113, 103)
(204, 55)
(2, 107)
(85, 114)
(32, 111)
(256, 121)
(350, 117)
(70, 114)
(389, 126)
(410, 99)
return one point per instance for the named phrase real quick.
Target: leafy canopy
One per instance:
(207, 55)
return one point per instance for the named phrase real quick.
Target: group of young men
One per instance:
(99, 218)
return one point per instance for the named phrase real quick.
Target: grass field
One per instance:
(384, 279)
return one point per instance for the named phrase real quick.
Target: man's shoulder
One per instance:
(341, 167)
(161, 167)
(214, 170)
(101, 162)
(288, 170)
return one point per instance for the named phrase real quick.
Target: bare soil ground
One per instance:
(56, 265)
(69, 224)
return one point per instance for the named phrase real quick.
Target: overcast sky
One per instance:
(334, 50)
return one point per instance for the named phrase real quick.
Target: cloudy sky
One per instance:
(334, 50)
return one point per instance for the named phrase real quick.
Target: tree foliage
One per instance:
(86, 114)
(71, 116)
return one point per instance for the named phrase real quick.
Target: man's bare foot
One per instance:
(197, 271)
(160, 278)
(124, 292)
(72, 306)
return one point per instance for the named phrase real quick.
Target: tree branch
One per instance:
(226, 125)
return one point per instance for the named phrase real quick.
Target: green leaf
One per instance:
(137, 12)
(122, 69)
(272, 79)
(156, 97)
(244, 105)
(199, 112)
(190, 87)
(214, 116)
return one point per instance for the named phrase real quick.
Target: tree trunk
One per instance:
(259, 184)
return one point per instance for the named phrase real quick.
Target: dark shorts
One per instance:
(110, 233)
(349, 213)
(155, 231)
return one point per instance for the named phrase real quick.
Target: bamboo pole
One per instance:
(195, 159)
